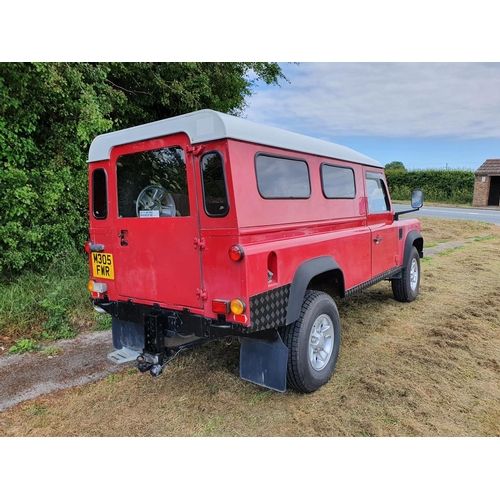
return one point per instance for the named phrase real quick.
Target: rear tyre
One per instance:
(406, 288)
(313, 343)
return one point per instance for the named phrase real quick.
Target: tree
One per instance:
(50, 113)
(395, 165)
(160, 90)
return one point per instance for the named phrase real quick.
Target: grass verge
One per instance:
(40, 307)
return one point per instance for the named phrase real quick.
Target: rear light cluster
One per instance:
(97, 289)
(235, 306)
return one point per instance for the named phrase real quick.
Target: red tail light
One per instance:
(220, 306)
(236, 253)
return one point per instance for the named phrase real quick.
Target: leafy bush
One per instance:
(49, 114)
(48, 305)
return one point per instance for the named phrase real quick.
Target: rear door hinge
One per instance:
(196, 150)
(201, 294)
(199, 243)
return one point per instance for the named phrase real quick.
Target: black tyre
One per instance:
(313, 343)
(406, 288)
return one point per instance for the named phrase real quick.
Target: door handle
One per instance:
(122, 234)
(378, 239)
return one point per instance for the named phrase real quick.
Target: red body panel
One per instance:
(162, 263)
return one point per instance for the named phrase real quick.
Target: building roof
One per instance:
(489, 167)
(208, 125)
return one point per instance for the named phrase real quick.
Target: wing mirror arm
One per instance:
(417, 201)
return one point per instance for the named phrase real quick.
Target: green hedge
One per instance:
(441, 186)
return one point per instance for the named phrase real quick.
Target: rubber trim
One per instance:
(304, 274)
(381, 277)
(411, 237)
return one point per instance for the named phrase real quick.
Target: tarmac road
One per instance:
(491, 214)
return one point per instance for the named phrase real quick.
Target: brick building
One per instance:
(487, 184)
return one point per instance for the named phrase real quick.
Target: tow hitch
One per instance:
(155, 363)
(147, 362)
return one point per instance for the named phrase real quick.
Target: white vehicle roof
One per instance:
(208, 125)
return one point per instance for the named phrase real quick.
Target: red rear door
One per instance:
(156, 223)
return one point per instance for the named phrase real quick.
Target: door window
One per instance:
(378, 200)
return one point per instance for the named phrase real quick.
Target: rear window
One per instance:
(214, 185)
(99, 194)
(153, 184)
(337, 182)
(282, 178)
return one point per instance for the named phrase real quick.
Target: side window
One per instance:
(282, 177)
(337, 182)
(214, 185)
(153, 184)
(99, 194)
(378, 201)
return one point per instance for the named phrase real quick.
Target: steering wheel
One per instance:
(155, 197)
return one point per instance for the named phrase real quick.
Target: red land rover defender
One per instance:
(206, 225)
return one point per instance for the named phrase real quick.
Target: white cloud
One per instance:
(421, 100)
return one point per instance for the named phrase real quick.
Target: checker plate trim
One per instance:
(268, 309)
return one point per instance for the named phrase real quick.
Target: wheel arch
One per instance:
(413, 239)
(321, 269)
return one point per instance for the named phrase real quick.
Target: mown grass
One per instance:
(427, 368)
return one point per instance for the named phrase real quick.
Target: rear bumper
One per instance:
(155, 324)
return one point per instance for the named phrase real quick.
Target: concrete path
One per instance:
(442, 247)
(82, 360)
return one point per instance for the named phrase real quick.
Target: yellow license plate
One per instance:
(102, 265)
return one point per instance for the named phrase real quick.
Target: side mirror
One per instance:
(417, 199)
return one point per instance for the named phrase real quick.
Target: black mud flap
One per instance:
(264, 362)
(127, 334)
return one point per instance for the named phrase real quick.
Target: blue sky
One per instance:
(426, 115)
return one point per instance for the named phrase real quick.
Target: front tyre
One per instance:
(313, 343)
(406, 288)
